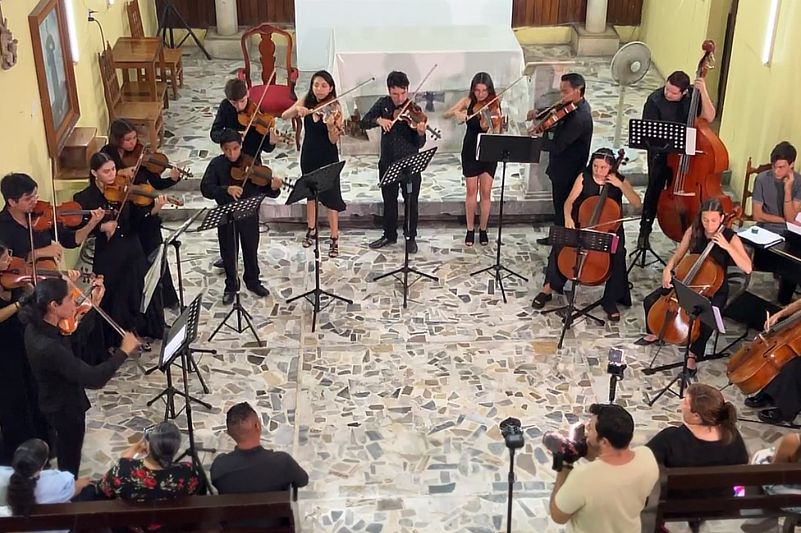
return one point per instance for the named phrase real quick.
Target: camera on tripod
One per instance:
(512, 433)
(566, 449)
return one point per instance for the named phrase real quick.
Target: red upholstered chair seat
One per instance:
(278, 99)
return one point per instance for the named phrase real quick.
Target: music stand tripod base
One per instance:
(401, 170)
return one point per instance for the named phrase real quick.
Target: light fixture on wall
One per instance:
(109, 3)
(93, 19)
(72, 31)
(770, 32)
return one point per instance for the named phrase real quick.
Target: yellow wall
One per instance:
(22, 135)
(674, 30)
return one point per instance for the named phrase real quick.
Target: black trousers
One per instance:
(69, 429)
(785, 389)
(247, 233)
(560, 190)
(658, 176)
(390, 196)
(699, 345)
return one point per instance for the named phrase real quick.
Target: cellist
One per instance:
(729, 248)
(586, 185)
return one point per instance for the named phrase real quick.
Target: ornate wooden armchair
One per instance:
(280, 97)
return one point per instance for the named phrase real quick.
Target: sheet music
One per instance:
(718, 319)
(795, 228)
(760, 236)
(174, 344)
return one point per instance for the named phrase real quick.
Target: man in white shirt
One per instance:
(607, 493)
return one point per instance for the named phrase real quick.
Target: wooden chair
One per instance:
(280, 97)
(751, 173)
(139, 90)
(145, 115)
(173, 66)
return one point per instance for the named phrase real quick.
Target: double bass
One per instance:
(694, 178)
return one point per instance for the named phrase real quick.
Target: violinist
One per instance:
(218, 185)
(670, 103)
(123, 139)
(728, 249)
(119, 257)
(236, 101)
(588, 184)
(568, 144)
(323, 129)
(478, 175)
(60, 375)
(398, 140)
(20, 192)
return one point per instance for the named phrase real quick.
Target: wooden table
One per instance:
(140, 54)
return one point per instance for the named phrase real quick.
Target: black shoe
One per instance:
(218, 263)
(545, 241)
(470, 237)
(758, 401)
(411, 246)
(258, 289)
(540, 300)
(483, 238)
(772, 416)
(228, 297)
(380, 243)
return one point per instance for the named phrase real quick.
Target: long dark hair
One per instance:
(46, 291)
(698, 236)
(164, 440)
(310, 100)
(484, 79)
(708, 403)
(117, 130)
(97, 161)
(29, 459)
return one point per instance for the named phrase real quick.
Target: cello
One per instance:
(695, 178)
(756, 363)
(598, 213)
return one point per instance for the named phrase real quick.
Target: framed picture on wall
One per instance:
(54, 72)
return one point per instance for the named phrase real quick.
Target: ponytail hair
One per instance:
(35, 305)
(29, 459)
(164, 441)
(708, 403)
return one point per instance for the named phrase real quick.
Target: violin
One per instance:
(155, 162)
(412, 114)
(142, 194)
(260, 121)
(599, 213)
(246, 169)
(20, 273)
(83, 305)
(69, 214)
(490, 117)
(548, 118)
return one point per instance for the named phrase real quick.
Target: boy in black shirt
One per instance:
(397, 141)
(218, 185)
(236, 100)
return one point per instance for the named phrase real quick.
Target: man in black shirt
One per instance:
(250, 467)
(670, 103)
(236, 100)
(398, 140)
(218, 185)
(568, 145)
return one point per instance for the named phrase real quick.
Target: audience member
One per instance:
(608, 492)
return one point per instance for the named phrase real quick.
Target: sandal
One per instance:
(612, 314)
(308, 240)
(540, 300)
(470, 237)
(482, 237)
(333, 249)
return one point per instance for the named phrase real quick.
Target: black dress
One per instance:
(317, 152)
(123, 265)
(470, 167)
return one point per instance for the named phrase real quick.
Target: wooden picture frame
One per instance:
(55, 73)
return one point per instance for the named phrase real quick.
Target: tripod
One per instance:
(506, 149)
(402, 170)
(168, 10)
(310, 186)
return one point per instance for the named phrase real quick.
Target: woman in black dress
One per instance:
(119, 256)
(320, 149)
(122, 139)
(478, 175)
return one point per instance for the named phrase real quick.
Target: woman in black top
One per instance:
(122, 138)
(60, 375)
(118, 253)
(728, 248)
(588, 184)
(319, 149)
(478, 175)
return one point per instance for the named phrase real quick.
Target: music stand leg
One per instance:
(682, 377)
(169, 7)
(498, 267)
(640, 255)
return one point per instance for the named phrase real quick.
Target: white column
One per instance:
(596, 16)
(227, 22)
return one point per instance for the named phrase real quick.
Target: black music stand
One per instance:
(698, 308)
(583, 241)
(505, 149)
(309, 186)
(228, 214)
(655, 136)
(402, 170)
(165, 24)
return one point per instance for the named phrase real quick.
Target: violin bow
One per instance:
(359, 86)
(495, 98)
(410, 98)
(624, 219)
(258, 106)
(130, 185)
(55, 216)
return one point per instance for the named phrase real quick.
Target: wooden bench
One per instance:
(730, 507)
(195, 513)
